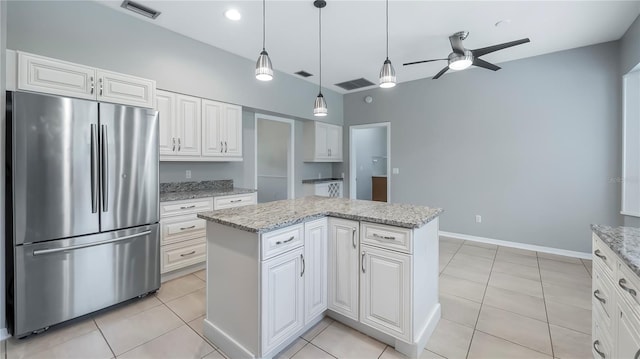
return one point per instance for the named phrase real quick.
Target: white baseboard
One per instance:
(4, 334)
(531, 247)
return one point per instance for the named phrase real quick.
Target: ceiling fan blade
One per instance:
(437, 76)
(489, 49)
(420, 62)
(484, 64)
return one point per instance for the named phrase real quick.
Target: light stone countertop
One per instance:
(624, 241)
(266, 217)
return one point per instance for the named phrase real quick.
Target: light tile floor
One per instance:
(497, 302)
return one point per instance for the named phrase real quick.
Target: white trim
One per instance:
(531, 247)
(4, 334)
(352, 161)
(292, 151)
(633, 214)
(623, 202)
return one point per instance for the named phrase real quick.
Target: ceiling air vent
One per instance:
(355, 84)
(303, 73)
(140, 9)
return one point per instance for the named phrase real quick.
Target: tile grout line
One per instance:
(331, 355)
(384, 350)
(482, 303)
(103, 337)
(546, 311)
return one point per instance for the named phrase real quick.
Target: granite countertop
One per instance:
(180, 195)
(321, 180)
(269, 216)
(624, 241)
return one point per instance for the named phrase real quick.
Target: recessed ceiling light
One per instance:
(233, 14)
(502, 22)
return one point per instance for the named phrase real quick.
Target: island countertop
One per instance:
(624, 241)
(266, 217)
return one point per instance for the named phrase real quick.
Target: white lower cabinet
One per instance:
(282, 298)
(628, 333)
(344, 260)
(385, 291)
(315, 275)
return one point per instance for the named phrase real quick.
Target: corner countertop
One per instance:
(322, 180)
(624, 241)
(180, 195)
(266, 217)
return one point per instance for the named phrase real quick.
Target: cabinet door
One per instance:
(628, 338)
(343, 267)
(42, 74)
(282, 298)
(385, 291)
(212, 139)
(315, 274)
(125, 89)
(233, 131)
(166, 107)
(321, 139)
(188, 123)
(334, 142)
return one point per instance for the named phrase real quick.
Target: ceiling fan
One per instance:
(462, 58)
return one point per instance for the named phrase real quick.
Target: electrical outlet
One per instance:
(396, 171)
(342, 175)
(319, 175)
(478, 218)
(188, 174)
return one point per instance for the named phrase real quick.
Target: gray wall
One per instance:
(94, 35)
(533, 148)
(370, 152)
(3, 40)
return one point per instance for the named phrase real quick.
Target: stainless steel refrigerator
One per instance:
(82, 208)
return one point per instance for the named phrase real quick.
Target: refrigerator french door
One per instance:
(82, 208)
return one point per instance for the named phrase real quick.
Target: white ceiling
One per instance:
(354, 31)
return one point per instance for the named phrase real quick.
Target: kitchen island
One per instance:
(276, 269)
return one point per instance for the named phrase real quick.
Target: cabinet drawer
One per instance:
(175, 229)
(604, 256)
(282, 240)
(174, 208)
(601, 344)
(234, 201)
(628, 287)
(603, 297)
(379, 235)
(183, 254)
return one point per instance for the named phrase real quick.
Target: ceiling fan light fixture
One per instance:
(320, 106)
(264, 69)
(387, 75)
(460, 61)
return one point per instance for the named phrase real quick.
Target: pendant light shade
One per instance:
(387, 73)
(264, 69)
(320, 105)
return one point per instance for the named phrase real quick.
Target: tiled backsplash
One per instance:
(217, 185)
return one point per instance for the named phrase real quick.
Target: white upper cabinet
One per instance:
(323, 142)
(221, 129)
(188, 121)
(46, 75)
(166, 107)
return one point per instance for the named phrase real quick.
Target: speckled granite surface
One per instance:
(175, 191)
(265, 217)
(624, 241)
(321, 180)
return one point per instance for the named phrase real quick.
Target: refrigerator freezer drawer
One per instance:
(64, 279)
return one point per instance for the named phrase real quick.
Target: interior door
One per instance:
(53, 152)
(129, 166)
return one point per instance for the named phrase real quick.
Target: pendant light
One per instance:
(387, 73)
(264, 69)
(320, 105)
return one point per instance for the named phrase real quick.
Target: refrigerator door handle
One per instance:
(56, 250)
(105, 170)
(94, 169)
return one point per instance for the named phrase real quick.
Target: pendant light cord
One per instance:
(387, 29)
(263, 25)
(320, 44)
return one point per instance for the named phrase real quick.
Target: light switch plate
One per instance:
(396, 171)
(188, 174)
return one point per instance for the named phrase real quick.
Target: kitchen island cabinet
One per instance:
(276, 269)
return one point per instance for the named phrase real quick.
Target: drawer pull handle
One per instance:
(235, 200)
(595, 294)
(287, 241)
(185, 228)
(187, 254)
(622, 285)
(596, 346)
(187, 207)
(353, 238)
(303, 265)
(637, 354)
(599, 255)
(391, 238)
(362, 260)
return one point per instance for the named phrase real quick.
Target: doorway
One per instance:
(274, 158)
(369, 154)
